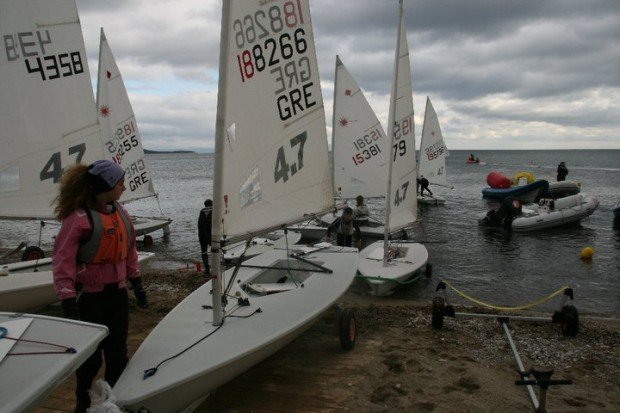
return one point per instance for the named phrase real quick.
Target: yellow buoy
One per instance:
(586, 253)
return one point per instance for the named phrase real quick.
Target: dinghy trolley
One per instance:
(566, 315)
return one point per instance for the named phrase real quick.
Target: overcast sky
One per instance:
(518, 74)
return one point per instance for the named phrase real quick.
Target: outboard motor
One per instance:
(508, 210)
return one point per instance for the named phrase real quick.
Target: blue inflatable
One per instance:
(525, 193)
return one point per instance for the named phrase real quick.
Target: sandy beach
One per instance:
(399, 363)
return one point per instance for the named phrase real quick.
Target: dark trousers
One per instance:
(205, 257)
(110, 308)
(344, 240)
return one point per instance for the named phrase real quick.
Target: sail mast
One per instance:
(333, 163)
(218, 178)
(390, 133)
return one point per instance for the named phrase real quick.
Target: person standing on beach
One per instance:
(562, 171)
(204, 232)
(94, 255)
(346, 229)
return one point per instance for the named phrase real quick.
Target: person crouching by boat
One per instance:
(423, 182)
(204, 233)
(562, 171)
(346, 229)
(360, 214)
(94, 255)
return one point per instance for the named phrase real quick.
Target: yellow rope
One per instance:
(498, 307)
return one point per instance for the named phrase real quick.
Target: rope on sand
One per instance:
(505, 308)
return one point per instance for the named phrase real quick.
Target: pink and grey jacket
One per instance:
(93, 277)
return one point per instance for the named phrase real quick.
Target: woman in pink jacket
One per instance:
(94, 254)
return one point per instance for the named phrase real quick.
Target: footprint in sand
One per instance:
(469, 384)
(394, 363)
(424, 407)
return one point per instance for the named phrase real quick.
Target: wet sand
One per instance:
(399, 363)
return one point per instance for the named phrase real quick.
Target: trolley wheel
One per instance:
(147, 241)
(437, 317)
(347, 329)
(32, 253)
(569, 320)
(429, 269)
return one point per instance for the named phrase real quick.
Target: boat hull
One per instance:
(242, 341)
(580, 207)
(431, 200)
(525, 194)
(382, 280)
(26, 380)
(24, 290)
(143, 225)
(260, 245)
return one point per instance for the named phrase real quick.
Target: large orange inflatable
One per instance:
(498, 181)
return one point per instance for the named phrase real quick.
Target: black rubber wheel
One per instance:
(437, 317)
(347, 329)
(32, 253)
(429, 269)
(147, 241)
(569, 320)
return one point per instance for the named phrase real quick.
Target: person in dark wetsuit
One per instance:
(562, 171)
(204, 233)
(423, 182)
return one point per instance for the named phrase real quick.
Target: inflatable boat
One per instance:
(553, 213)
(616, 209)
(525, 193)
(561, 189)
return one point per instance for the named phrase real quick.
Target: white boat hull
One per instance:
(260, 245)
(144, 225)
(310, 231)
(23, 291)
(26, 380)
(576, 208)
(382, 280)
(431, 200)
(242, 341)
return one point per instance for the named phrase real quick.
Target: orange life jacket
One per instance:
(109, 237)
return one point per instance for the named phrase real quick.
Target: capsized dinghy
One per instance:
(30, 370)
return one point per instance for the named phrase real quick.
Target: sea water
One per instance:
(491, 264)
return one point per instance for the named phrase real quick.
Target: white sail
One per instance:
(274, 156)
(121, 138)
(48, 113)
(433, 150)
(401, 199)
(359, 144)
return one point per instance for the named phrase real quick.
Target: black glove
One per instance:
(70, 308)
(138, 291)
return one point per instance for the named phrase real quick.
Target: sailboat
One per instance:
(38, 352)
(386, 264)
(48, 114)
(433, 153)
(122, 142)
(271, 168)
(48, 122)
(360, 148)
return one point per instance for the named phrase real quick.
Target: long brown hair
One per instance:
(76, 192)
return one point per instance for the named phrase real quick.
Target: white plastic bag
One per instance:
(102, 398)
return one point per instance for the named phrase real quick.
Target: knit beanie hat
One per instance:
(104, 175)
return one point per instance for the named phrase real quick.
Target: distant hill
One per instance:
(151, 151)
